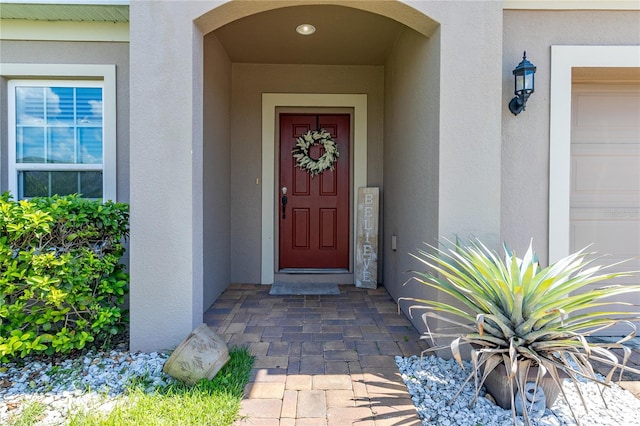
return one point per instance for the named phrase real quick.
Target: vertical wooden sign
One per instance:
(366, 271)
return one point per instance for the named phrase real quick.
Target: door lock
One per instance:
(284, 202)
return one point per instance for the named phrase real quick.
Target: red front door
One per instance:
(314, 226)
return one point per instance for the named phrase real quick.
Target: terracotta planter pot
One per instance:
(497, 384)
(200, 356)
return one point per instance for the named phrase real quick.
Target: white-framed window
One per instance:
(57, 138)
(61, 130)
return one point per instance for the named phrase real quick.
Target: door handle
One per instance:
(284, 202)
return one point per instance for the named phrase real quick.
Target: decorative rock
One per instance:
(431, 389)
(91, 382)
(200, 356)
(534, 401)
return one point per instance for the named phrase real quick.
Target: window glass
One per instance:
(73, 125)
(46, 183)
(90, 184)
(33, 184)
(63, 183)
(29, 105)
(90, 145)
(59, 138)
(30, 145)
(60, 105)
(89, 106)
(61, 145)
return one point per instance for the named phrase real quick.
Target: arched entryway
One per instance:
(271, 70)
(197, 136)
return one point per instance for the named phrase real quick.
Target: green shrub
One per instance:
(61, 281)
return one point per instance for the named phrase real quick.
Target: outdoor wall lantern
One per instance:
(524, 85)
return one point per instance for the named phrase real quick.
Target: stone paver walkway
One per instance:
(320, 360)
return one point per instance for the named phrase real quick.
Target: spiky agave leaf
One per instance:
(519, 314)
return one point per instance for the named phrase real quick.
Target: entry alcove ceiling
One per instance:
(344, 36)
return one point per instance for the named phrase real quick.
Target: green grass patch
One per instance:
(209, 402)
(29, 415)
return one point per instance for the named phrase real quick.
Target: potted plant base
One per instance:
(497, 385)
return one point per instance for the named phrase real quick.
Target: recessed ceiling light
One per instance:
(305, 29)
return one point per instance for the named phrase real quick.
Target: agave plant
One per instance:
(515, 313)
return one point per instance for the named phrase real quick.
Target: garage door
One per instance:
(605, 176)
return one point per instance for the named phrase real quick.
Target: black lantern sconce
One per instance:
(524, 85)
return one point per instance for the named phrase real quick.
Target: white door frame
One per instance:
(271, 101)
(563, 59)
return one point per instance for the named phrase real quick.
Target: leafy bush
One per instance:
(61, 281)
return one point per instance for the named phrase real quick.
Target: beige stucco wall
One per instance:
(167, 213)
(412, 124)
(525, 138)
(442, 137)
(51, 52)
(470, 124)
(216, 170)
(249, 82)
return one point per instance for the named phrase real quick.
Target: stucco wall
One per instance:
(48, 52)
(470, 121)
(444, 118)
(525, 138)
(249, 81)
(167, 250)
(216, 170)
(412, 123)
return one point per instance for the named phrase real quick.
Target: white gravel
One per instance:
(434, 384)
(91, 382)
(95, 381)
